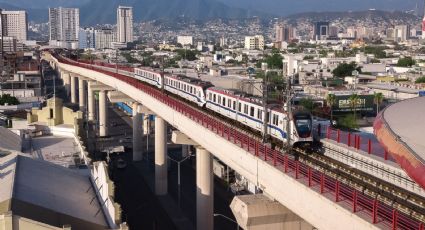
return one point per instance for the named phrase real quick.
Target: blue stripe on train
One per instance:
(253, 119)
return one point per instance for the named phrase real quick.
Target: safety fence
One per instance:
(359, 142)
(356, 201)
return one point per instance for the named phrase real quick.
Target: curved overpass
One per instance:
(401, 130)
(321, 200)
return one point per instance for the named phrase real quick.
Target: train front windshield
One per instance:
(303, 125)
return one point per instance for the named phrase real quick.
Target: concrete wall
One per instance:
(14, 222)
(313, 207)
(61, 114)
(105, 191)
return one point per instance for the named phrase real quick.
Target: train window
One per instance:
(240, 107)
(224, 101)
(268, 117)
(245, 109)
(234, 105)
(229, 103)
(275, 119)
(252, 111)
(214, 98)
(260, 114)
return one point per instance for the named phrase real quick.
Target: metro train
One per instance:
(235, 105)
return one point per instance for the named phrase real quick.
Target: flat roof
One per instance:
(406, 120)
(49, 186)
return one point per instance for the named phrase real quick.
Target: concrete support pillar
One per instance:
(103, 114)
(137, 132)
(160, 156)
(204, 190)
(73, 89)
(91, 102)
(66, 77)
(82, 94)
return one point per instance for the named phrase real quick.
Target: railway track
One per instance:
(405, 201)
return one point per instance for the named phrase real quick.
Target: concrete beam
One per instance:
(100, 87)
(180, 138)
(255, 212)
(116, 96)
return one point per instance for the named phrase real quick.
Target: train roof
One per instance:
(192, 81)
(274, 105)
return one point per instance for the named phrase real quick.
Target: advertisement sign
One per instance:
(363, 103)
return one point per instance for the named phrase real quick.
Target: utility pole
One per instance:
(265, 69)
(288, 103)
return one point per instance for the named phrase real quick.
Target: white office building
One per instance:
(185, 40)
(64, 25)
(15, 24)
(125, 24)
(254, 42)
(104, 38)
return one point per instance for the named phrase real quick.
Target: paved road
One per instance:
(141, 207)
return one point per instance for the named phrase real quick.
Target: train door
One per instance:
(259, 119)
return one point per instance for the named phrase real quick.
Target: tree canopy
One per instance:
(7, 99)
(420, 80)
(345, 69)
(406, 62)
(274, 61)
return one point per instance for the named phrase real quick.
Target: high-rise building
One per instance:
(124, 24)
(86, 38)
(423, 25)
(401, 33)
(320, 30)
(333, 31)
(14, 24)
(254, 42)
(185, 40)
(64, 25)
(284, 33)
(104, 38)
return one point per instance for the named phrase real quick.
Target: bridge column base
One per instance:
(137, 132)
(73, 89)
(161, 186)
(82, 94)
(103, 114)
(204, 190)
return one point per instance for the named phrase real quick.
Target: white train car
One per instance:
(149, 76)
(249, 111)
(188, 88)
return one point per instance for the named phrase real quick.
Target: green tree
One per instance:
(189, 55)
(378, 98)
(331, 100)
(349, 121)
(307, 103)
(8, 99)
(345, 69)
(406, 62)
(274, 61)
(420, 80)
(354, 100)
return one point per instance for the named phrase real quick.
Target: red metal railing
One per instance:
(368, 145)
(331, 188)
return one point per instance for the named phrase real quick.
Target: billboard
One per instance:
(344, 104)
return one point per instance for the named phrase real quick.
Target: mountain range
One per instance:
(104, 11)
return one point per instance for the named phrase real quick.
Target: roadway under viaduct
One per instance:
(315, 208)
